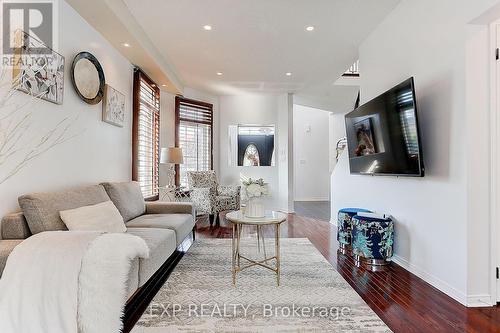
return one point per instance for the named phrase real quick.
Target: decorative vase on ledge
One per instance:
(255, 207)
(255, 190)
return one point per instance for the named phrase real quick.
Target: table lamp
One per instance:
(171, 156)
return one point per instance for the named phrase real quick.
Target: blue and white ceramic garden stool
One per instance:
(344, 227)
(372, 240)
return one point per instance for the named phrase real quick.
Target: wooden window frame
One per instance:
(178, 101)
(136, 103)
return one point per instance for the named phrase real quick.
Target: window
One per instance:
(146, 135)
(193, 133)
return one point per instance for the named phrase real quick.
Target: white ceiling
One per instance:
(255, 42)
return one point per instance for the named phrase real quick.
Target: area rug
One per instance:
(312, 297)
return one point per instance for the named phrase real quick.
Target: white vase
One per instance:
(255, 207)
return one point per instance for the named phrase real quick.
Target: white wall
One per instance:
(431, 213)
(259, 110)
(98, 151)
(311, 154)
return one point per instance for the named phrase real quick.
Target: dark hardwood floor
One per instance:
(403, 301)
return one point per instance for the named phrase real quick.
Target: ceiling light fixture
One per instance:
(126, 44)
(163, 85)
(310, 28)
(207, 27)
(219, 73)
(288, 74)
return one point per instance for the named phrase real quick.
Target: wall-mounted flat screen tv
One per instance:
(383, 136)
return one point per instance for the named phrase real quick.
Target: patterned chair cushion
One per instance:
(202, 179)
(203, 199)
(224, 203)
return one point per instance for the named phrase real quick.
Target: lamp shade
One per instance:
(171, 155)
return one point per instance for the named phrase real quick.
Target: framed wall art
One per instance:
(113, 106)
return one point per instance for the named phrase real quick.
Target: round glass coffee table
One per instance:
(238, 220)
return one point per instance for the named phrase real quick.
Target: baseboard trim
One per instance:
(434, 281)
(480, 301)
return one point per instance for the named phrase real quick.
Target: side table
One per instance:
(238, 220)
(175, 194)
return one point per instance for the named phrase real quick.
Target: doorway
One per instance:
(311, 162)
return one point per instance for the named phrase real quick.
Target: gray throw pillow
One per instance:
(127, 197)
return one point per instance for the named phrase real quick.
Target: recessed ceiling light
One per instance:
(288, 74)
(207, 27)
(163, 85)
(219, 73)
(126, 44)
(310, 28)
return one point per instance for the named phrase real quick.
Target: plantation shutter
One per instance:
(194, 121)
(146, 138)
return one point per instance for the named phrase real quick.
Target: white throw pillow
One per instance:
(103, 217)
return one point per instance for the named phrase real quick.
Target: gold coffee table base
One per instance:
(238, 220)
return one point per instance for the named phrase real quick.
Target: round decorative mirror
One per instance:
(88, 77)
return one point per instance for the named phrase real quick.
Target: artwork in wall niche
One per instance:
(251, 145)
(113, 106)
(38, 70)
(88, 77)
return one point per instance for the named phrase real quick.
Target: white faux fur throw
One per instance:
(103, 290)
(67, 281)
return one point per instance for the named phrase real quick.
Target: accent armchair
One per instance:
(209, 197)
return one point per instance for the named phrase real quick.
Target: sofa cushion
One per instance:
(14, 226)
(161, 244)
(162, 207)
(100, 217)
(127, 197)
(42, 209)
(182, 224)
(6, 247)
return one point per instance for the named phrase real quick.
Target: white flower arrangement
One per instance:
(255, 188)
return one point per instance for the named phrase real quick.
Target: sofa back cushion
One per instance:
(127, 197)
(42, 209)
